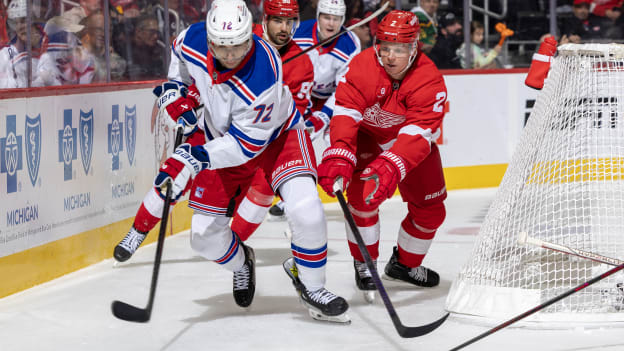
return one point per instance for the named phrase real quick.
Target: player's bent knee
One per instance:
(430, 217)
(206, 231)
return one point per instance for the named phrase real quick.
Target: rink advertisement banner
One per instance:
(72, 163)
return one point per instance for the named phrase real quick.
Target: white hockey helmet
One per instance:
(17, 9)
(331, 7)
(228, 22)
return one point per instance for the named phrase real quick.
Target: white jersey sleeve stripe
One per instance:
(250, 147)
(413, 129)
(355, 114)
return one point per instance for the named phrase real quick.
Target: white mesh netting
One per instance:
(565, 184)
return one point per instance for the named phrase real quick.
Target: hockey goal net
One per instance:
(565, 184)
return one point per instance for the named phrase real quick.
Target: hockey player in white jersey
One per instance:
(250, 122)
(330, 61)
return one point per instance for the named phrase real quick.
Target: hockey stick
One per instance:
(524, 238)
(404, 331)
(541, 306)
(131, 313)
(328, 40)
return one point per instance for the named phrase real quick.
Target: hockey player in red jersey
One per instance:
(389, 109)
(279, 23)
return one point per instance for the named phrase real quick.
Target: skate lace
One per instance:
(322, 296)
(132, 240)
(419, 273)
(241, 278)
(362, 269)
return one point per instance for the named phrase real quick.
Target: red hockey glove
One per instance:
(178, 102)
(337, 162)
(382, 177)
(185, 163)
(540, 65)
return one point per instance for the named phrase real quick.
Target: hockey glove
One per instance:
(337, 162)
(540, 65)
(316, 124)
(178, 102)
(382, 177)
(185, 163)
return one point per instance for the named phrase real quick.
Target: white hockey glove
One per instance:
(175, 102)
(185, 163)
(316, 124)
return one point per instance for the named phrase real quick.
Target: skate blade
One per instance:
(317, 315)
(369, 295)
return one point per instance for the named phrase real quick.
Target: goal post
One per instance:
(564, 185)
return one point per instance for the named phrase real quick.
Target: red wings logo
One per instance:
(375, 116)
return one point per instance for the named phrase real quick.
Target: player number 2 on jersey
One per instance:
(267, 115)
(438, 106)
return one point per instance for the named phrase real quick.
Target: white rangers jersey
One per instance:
(330, 61)
(245, 108)
(14, 68)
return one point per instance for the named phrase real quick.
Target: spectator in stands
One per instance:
(93, 39)
(480, 58)
(145, 52)
(355, 9)
(308, 10)
(583, 25)
(444, 52)
(14, 56)
(426, 13)
(362, 32)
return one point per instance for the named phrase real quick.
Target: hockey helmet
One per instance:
(331, 7)
(228, 22)
(281, 8)
(400, 27)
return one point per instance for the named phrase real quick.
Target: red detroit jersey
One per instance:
(401, 116)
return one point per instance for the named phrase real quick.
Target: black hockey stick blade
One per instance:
(413, 332)
(403, 330)
(130, 313)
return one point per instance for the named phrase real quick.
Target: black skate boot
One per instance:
(420, 276)
(277, 210)
(245, 279)
(322, 304)
(364, 280)
(128, 246)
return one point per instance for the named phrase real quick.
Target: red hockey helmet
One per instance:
(399, 26)
(281, 8)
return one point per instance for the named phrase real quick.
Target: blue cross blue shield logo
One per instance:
(68, 149)
(85, 127)
(115, 137)
(11, 154)
(33, 146)
(130, 132)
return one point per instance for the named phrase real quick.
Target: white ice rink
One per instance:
(194, 308)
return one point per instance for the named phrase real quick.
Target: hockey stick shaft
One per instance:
(541, 306)
(404, 331)
(329, 40)
(131, 313)
(524, 238)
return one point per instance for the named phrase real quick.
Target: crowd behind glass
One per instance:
(64, 42)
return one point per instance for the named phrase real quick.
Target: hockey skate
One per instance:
(245, 279)
(277, 212)
(419, 276)
(128, 246)
(322, 304)
(364, 280)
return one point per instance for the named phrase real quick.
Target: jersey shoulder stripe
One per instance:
(194, 46)
(305, 29)
(346, 44)
(248, 145)
(259, 74)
